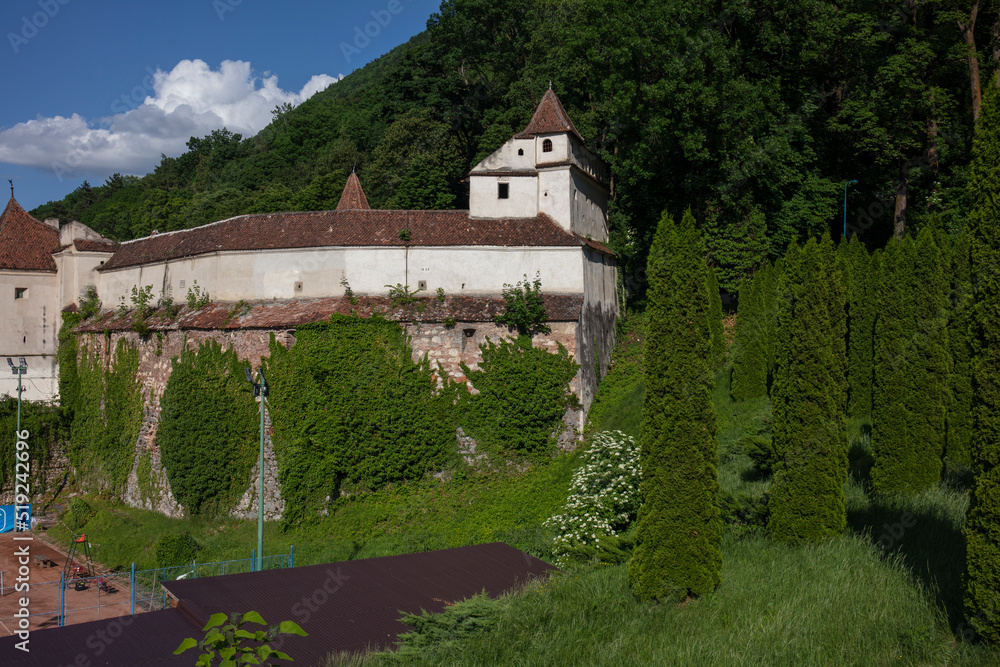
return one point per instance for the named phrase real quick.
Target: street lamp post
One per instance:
(845, 205)
(19, 370)
(259, 389)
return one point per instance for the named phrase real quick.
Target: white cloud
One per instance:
(157, 117)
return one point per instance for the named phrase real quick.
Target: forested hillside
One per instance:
(754, 115)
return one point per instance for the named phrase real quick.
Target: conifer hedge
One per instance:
(931, 356)
(982, 527)
(209, 430)
(679, 526)
(349, 405)
(897, 467)
(809, 394)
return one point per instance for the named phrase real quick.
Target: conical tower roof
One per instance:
(353, 196)
(549, 118)
(25, 243)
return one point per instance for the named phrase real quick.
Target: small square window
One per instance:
(421, 284)
(20, 292)
(503, 190)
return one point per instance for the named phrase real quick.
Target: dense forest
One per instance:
(753, 115)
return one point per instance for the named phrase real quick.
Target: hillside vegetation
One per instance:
(754, 115)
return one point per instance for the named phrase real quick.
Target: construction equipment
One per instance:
(77, 573)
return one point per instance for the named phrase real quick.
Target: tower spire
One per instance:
(11, 181)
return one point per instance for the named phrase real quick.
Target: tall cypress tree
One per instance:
(715, 319)
(930, 358)
(982, 526)
(751, 341)
(895, 469)
(960, 424)
(679, 526)
(809, 395)
(860, 326)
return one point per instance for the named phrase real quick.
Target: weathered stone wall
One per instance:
(449, 346)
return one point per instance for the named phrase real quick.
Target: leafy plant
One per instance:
(440, 293)
(348, 292)
(524, 308)
(197, 297)
(89, 303)
(227, 642)
(141, 298)
(400, 295)
(404, 235)
(123, 308)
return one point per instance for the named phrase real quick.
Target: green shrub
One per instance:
(677, 551)
(960, 340)
(524, 308)
(523, 396)
(79, 513)
(208, 433)
(436, 633)
(810, 389)
(604, 496)
(349, 404)
(174, 550)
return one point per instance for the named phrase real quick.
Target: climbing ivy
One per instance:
(46, 429)
(107, 417)
(208, 429)
(523, 395)
(349, 405)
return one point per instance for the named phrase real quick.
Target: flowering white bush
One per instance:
(604, 496)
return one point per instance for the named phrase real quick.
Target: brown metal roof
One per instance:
(353, 196)
(285, 314)
(347, 606)
(311, 229)
(126, 641)
(25, 243)
(549, 118)
(356, 605)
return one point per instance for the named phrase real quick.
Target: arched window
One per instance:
(520, 151)
(547, 146)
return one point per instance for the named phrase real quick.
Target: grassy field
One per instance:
(887, 591)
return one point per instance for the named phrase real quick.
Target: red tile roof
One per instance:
(357, 228)
(85, 245)
(353, 196)
(289, 314)
(549, 118)
(25, 243)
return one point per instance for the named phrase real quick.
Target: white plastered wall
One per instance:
(29, 328)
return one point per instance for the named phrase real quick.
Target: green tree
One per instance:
(678, 551)
(809, 395)
(982, 568)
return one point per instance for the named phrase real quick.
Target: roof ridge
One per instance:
(549, 118)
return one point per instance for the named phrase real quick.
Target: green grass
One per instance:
(405, 518)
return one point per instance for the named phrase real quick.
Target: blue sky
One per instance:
(91, 87)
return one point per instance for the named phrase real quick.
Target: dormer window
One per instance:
(547, 146)
(503, 190)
